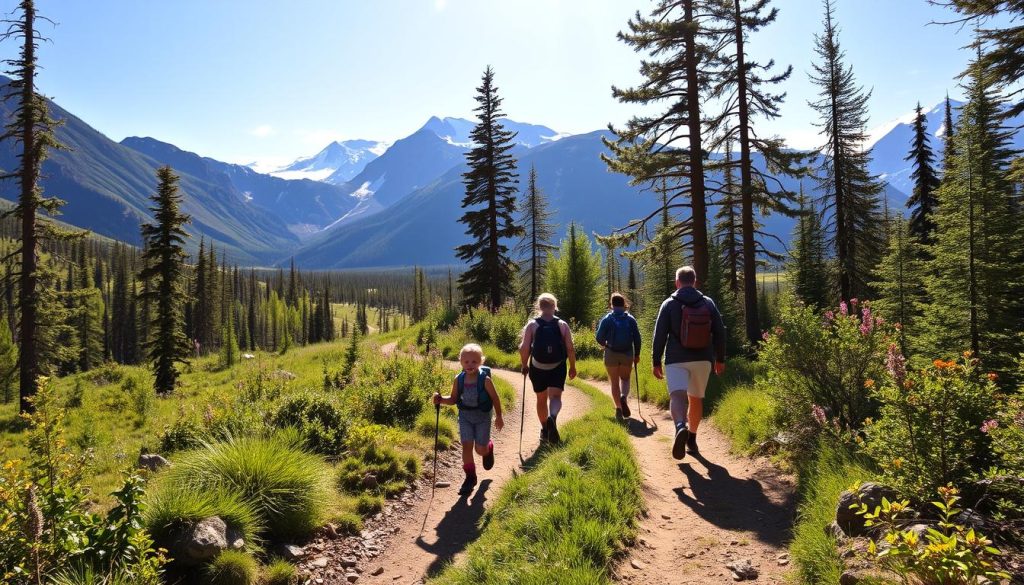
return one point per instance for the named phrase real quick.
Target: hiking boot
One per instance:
(543, 433)
(679, 445)
(489, 458)
(691, 444)
(625, 407)
(618, 415)
(553, 435)
(468, 485)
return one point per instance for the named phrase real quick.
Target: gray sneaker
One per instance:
(679, 445)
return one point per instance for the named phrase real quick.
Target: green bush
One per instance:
(286, 486)
(185, 433)
(746, 415)
(387, 465)
(929, 431)
(348, 523)
(394, 391)
(232, 568)
(172, 507)
(446, 432)
(476, 324)
(506, 325)
(821, 364)
(1007, 434)
(319, 420)
(280, 572)
(585, 342)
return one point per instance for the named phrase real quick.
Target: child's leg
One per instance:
(467, 453)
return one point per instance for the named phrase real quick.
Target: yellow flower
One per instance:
(897, 462)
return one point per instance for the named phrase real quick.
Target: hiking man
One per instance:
(545, 349)
(690, 333)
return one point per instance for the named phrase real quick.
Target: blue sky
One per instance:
(271, 81)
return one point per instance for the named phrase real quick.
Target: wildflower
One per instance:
(895, 363)
(819, 414)
(992, 376)
(967, 354)
(989, 425)
(764, 335)
(897, 462)
(944, 365)
(869, 383)
(854, 301)
(844, 309)
(879, 321)
(34, 520)
(1018, 419)
(830, 315)
(778, 330)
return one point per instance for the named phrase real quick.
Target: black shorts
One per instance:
(544, 379)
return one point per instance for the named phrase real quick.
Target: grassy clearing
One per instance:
(565, 519)
(745, 414)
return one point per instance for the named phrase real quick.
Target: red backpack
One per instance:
(695, 326)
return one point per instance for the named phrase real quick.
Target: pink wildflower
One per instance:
(844, 309)
(854, 301)
(765, 335)
(896, 363)
(830, 315)
(867, 323)
(819, 414)
(989, 425)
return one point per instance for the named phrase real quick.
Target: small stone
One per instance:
(291, 552)
(637, 565)
(152, 461)
(783, 562)
(319, 562)
(377, 571)
(690, 555)
(351, 577)
(348, 561)
(370, 481)
(666, 517)
(742, 570)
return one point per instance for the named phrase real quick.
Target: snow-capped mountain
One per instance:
(340, 160)
(891, 143)
(456, 131)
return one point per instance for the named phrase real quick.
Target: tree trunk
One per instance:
(699, 222)
(28, 281)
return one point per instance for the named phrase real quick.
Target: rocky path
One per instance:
(707, 512)
(416, 536)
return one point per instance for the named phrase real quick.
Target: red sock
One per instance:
(469, 468)
(490, 446)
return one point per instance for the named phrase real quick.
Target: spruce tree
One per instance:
(574, 276)
(89, 314)
(901, 283)
(229, 346)
(808, 267)
(851, 193)
(975, 275)
(489, 204)
(537, 241)
(947, 137)
(1003, 58)
(682, 45)
(922, 201)
(200, 296)
(727, 221)
(164, 265)
(32, 128)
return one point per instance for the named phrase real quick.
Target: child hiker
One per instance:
(473, 392)
(619, 335)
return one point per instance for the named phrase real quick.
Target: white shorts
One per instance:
(689, 377)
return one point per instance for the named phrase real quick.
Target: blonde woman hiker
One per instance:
(619, 335)
(691, 335)
(473, 392)
(546, 348)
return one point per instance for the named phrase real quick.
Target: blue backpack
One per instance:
(621, 337)
(548, 347)
(483, 399)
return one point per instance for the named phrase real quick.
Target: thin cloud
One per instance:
(440, 5)
(263, 131)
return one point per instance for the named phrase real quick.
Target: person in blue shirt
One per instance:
(619, 335)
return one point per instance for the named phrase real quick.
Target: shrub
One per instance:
(476, 324)
(76, 394)
(318, 419)
(348, 523)
(814, 362)
(367, 504)
(745, 414)
(286, 486)
(948, 553)
(1002, 481)
(506, 325)
(929, 432)
(232, 567)
(141, 396)
(280, 572)
(172, 507)
(394, 391)
(445, 432)
(384, 463)
(585, 342)
(185, 433)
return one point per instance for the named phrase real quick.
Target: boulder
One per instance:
(152, 461)
(282, 375)
(742, 570)
(871, 494)
(204, 541)
(370, 482)
(291, 552)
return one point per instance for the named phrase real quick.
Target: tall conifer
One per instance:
(922, 201)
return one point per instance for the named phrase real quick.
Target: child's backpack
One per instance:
(478, 399)
(621, 337)
(695, 326)
(548, 346)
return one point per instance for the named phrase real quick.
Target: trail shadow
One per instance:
(735, 504)
(459, 527)
(639, 428)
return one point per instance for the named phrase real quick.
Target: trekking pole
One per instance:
(636, 375)
(522, 420)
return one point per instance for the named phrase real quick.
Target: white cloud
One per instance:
(440, 5)
(263, 131)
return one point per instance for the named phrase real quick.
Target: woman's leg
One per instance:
(555, 394)
(613, 379)
(542, 406)
(624, 374)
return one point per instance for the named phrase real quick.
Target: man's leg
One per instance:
(695, 413)
(700, 372)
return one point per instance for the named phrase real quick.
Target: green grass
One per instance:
(279, 572)
(565, 519)
(833, 470)
(232, 568)
(289, 488)
(170, 509)
(745, 415)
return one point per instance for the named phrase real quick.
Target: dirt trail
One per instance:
(704, 512)
(392, 548)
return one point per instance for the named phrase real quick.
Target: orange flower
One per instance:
(992, 376)
(869, 383)
(943, 365)
(967, 354)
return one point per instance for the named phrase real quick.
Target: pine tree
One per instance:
(33, 129)
(744, 86)
(491, 184)
(200, 295)
(229, 346)
(727, 220)
(89, 314)
(808, 266)
(851, 193)
(1003, 59)
(667, 147)
(574, 276)
(922, 202)
(947, 137)
(975, 275)
(8, 360)
(165, 260)
(901, 283)
(537, 242)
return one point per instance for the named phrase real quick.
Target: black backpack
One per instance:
(548, 346)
